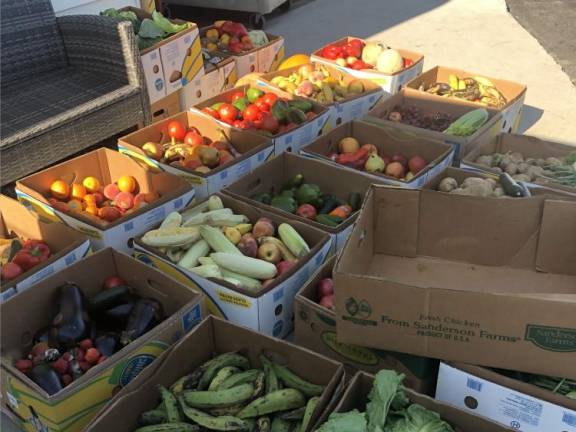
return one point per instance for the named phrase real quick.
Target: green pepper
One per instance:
(279, 110)
(286, 203)
(307, 193)
(240, 104)
(302, 105)
(263, 197)
(294, 182)
(288, 193)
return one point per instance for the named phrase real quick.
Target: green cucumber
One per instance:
(355, 201)
(329, 220)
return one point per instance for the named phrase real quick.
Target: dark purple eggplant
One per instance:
(147, 313)
(107, 344)
(108, 298)
(71, 323)
(47, 378)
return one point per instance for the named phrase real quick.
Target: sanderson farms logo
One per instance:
(557, 339)
(359, 312)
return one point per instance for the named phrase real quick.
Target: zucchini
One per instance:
(355, 201)
(329, 220)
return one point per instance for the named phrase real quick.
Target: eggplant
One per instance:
(109, 297)
(106, 344)
(147, 313)
(47, 378)
(71, 323)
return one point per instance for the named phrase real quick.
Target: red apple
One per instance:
(284, 266)
(416, 164)
(325, 288)
(399, 157)
(395, 169)
(327, 302)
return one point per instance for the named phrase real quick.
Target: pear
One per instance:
(374, 163)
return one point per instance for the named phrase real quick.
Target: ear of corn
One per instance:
(215, 203)
(176, 236)
(202, 218)
(217, 240)
(192, 255)
(245, 282)
(207, 271)
(293, 241)
(173, 220)
(251, 267)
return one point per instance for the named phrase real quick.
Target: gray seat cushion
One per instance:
(40, 103)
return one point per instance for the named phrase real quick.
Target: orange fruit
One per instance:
(75, 205)
(60, 189)
(92, 209)
(78, 191)
(92, 184)
(127, 184)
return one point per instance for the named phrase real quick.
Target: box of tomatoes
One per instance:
(290, 121)
(105, 195)
(198, 149)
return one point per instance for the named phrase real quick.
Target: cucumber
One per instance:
(355, 201)
(302, 105)
(329, 220)
(107, 298)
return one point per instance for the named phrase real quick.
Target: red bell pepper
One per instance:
(33, 252)
(354, 160)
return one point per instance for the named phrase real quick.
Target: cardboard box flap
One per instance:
(556, 246)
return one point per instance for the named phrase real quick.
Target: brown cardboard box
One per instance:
(388, 142)
(431, 104)
(166, 107)
(254, 149)
(72, 407)
(214, 336)
(273, 175)
(529, 146)
(505, 400)
(67, 246)
(514, 93)
(356, 397)
(315, 329)
(107, 166)
(462, 279)
(269, 310)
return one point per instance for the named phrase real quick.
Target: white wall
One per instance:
(89, 7)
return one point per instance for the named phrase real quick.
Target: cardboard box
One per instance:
(166, 107)
(387, 141)
(67, 246)
(254, 149)
(514, 93)
(461, 279)
(356, 397)
(391, 84)
(216, 79)
(291, 141)
(172, 63)
(269, 311)
(529, 146)
(106, 165)
(519, 405)
(431, 104)
(276, 173)
(315, 329)
(214, 336)
(352, 108)
(74, 406)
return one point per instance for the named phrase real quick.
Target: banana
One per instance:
(244, 228)
(292, 380)
(240, 378)
(484, 81)
(170, 405)
(280, 400)
(222, 423)
(310, 407)
(284, 251)
(263, 424)
(280, 425)
(277, 80)
(461, 84)
(271, 378)
(219, 398)
(297, 414)
(453, 81)
(221, 376)
(223, 360)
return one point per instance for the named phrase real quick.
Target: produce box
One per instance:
(165, 107)
(513, 93)
(268, 310)
(106, 166)
(216, 79)
(271, 177)
(351, 106)
(212, 337)
(410, 270)
(517, 404)
(284, 140)
(265, 58)
(436, 154)
(529, 147)
(71, 408)
(390, 83)
(315, 329)
(66, 245)
(357, 396)
(429, 105)
(252, 150)
(173, 62)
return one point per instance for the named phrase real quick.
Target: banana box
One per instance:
(315, 329)
(505, 96)
(216, 79)
(72, 407)
(209, 339)
(252, 151)
(346, 97)
(390, 83)
(168, 193)
(67, 245)
(288, 140)
(270, 310)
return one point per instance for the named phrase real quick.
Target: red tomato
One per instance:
(408, 62)
(237, 95)
(242, 124)
(270, 98)
(251, 112)
(269, 123)
(192, 138)
(211, 112)
(228, 112)
(176, 130)
(112, 281)
(262, 106)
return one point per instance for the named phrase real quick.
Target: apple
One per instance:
(327, 302)
(416, 164)
(325, 287)
(395, 169)
(153, 149)
(399, 157)
(284, 266)
(112, 281)
(269, 252)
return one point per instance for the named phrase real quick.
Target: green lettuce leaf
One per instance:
(124, 15)
(387, 394)
(149, 30)
(416, 418)
(353, 421)
(166, 25)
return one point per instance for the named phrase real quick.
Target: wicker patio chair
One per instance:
(67, 83)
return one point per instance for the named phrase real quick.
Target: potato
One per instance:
(479, 189)
(552, 161)
(530, 161)
(523, 167)
(534, 172)
(498, 192)
(470, 181)
(447, 184)
(492, 182)
(485, 160)
(517, 157)
(511, 168)
(497, 169)
(521, 177)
